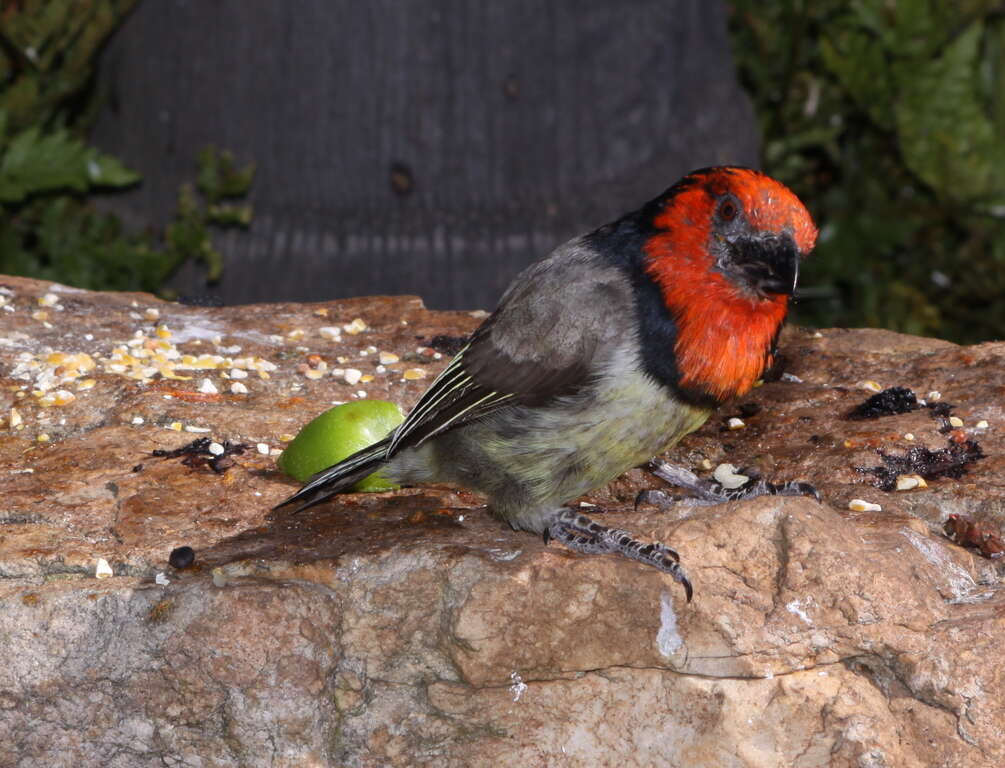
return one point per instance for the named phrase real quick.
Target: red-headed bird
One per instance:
(603, 355)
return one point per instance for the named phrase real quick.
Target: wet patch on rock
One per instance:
(204, 452)
(890, 401)
(952, 461)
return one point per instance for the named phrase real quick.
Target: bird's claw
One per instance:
(753, 489)
(656, 497)
(579, 532)
(794, 488)
(708, 492)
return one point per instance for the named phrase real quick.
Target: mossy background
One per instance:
(48, 172)
(886, 116)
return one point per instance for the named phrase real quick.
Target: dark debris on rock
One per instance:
(951, 461)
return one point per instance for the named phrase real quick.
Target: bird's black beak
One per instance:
(784, 268)
(769, 262)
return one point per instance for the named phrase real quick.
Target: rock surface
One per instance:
(409, 628)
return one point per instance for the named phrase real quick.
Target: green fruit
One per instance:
(340, 432)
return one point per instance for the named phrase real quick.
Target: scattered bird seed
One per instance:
(735, 423)
(356, 326)
(238, 388)
(727, 476)
(58, 398)
(910, 482)
(102, 570)
(860, 505)
(161, 579)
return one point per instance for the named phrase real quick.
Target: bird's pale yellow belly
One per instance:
(575, 449)
(530, 460)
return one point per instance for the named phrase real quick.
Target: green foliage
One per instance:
(888, 118)
(188, 235)
(35, 163)
(60, 237)
(48, 50)
(47, 170)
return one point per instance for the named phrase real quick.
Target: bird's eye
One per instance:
(728, 210)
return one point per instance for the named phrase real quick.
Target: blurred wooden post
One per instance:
(430, 147)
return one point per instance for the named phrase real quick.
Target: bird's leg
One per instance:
(579, 532)
(709, 492)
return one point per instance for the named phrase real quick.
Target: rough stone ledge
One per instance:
(409, 628)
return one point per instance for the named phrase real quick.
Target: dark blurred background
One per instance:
(254, 150)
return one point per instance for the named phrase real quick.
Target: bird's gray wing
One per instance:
(541, 342)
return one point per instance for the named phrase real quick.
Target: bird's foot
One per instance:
(579, 532)
(709, 492)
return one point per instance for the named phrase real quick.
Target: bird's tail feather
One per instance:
(339, 477)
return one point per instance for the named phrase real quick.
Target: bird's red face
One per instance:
(726, 256)
(739, 223)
